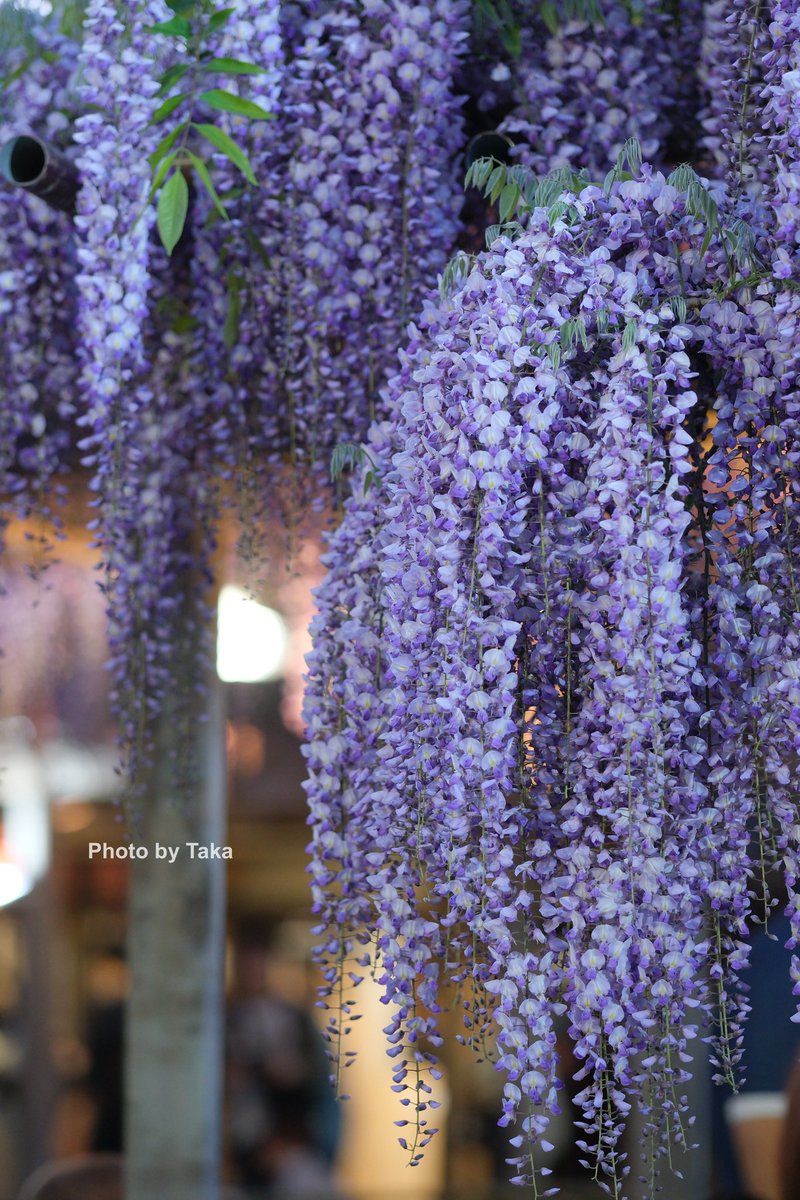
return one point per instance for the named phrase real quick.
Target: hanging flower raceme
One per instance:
(233, 295)
(730, 70)
(506, 688)
(138, 444)
(778, 449)
(584, 90)
(367, 158)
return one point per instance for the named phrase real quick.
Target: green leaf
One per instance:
(165, 145)
(219, 19)
(556, 211)
(610, 179)
(496, 183)
(168, 107)
(456, 270)
(185, 323)
(492, 234)
(629, 336)
(681, 177)
(230, 329)
(161, 173)
(225, 101)
(174, 27)
(231, 66)
(478, 174)
(511, 37)
(554, 354)
(181, 6)
(678, 306)
(345, 455)
(172, 76)
(549, 15)
(173, 205)
(220, 141)
(509, 198)
(205, 179)
(632, 151)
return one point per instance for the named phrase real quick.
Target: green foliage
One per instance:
(224, 101)
(173, 204)
(455, 273)
(679, 308)
(498, 15)
(347, 456)
(629, 336)
(517, 191)
(182, 87)
(230, 330)
(738, 238)
(630, 154)
(571, 333)
(221, 141)
(555, 12)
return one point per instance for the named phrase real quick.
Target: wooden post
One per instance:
(174, 1031)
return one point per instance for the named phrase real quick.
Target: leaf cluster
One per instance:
(347, 456)
(517, 191)
(184, 85)
(498, 16)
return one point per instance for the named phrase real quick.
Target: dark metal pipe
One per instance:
(28, 162)
(489, 144)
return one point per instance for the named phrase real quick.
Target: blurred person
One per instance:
(283, 1118)
(750, 1132)
(105, 1037)
(790, 1139)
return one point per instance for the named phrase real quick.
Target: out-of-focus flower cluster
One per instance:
(356, 215)
(581, 92)
(264, 340)
(37, 292)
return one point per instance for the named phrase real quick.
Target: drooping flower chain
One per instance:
(136, 442)
(583, 91)
(495, 573)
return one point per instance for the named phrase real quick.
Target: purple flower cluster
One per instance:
(354, 216)
(233, 295)
(504, 682)
(370, 131)
(583, 91)
(37, 294)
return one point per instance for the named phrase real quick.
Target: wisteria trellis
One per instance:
(554, 700)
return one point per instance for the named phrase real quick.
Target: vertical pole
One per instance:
(174, 1031)
(38, 1076)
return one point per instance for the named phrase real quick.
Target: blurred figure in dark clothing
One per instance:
(283, 1118)
(105, 1037)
